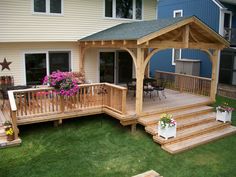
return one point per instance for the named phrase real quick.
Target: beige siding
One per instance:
(14, 52)
(91, 65)
(81, 18)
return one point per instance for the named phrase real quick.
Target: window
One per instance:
(38, 65)
(176, 53)
(35, 65)
(48, 6)
(59, 61)
(127, 9)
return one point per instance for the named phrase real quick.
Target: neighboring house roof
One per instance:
(229, 1)
(134, 30)
(146, 30)
(219, 4)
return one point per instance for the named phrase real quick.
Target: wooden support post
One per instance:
(215, 61)
(186, 36)
(56, 123)
(81, 60)
(139, 81)
(133, 128)
(14, 124)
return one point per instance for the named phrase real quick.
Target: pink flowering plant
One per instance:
(224, 108)
(65, 83)
(167, 121)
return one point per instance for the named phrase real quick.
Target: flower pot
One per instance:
(10, 137)
(224, 116)
(167, 132)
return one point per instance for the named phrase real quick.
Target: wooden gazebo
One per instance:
(143, 39)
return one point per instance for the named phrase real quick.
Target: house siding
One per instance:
(80, 18)
(207, 11)
(14, 52)
(22, 31)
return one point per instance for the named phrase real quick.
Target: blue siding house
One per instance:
(220, 16)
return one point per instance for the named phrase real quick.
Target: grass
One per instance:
(99, 146)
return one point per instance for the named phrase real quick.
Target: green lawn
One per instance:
(99, 146)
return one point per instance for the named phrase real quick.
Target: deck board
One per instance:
(174, 99)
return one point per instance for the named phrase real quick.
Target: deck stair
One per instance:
(195, 126)
(3, 139)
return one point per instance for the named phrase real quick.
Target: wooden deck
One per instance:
(196, 120)
(174, 100)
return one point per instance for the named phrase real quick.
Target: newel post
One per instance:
(14, 124)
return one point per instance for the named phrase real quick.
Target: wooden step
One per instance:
(177, 108)
(185, 123)
(179, 114)
(193, 121)
(4, 143)
(2, 132)
(199, 140)
(191, 132)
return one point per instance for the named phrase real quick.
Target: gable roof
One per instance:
(144, 31)
(134, 30)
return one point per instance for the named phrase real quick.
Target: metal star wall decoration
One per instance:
(5, 64)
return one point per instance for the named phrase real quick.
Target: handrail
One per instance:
(44, 100)
(187, 75)
(185, 83)
(12, 100)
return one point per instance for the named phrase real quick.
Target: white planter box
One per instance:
(167, 132)
(223, 116)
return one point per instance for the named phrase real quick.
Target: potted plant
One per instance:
(167, 126)
(66, 83)
(224, 112)
(10, 133)
(7, 124)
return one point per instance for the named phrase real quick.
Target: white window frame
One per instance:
(48, 9)
(178, 11)
(47, 59)
(173, 50)
(114, 11)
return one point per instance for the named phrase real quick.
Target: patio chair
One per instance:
(148, 86)
(160, 88)
(131, 86)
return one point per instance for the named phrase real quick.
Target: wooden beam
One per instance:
(139, 81)
(179, 45)
(212, 32)
(164, 31)
(81, 57)
(186, 36)
(193, 36)
(215, 61)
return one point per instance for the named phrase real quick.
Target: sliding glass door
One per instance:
(107, 67)
(38, 65)
(115, 67)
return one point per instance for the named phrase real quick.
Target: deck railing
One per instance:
(185, 83)
(28, 103)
